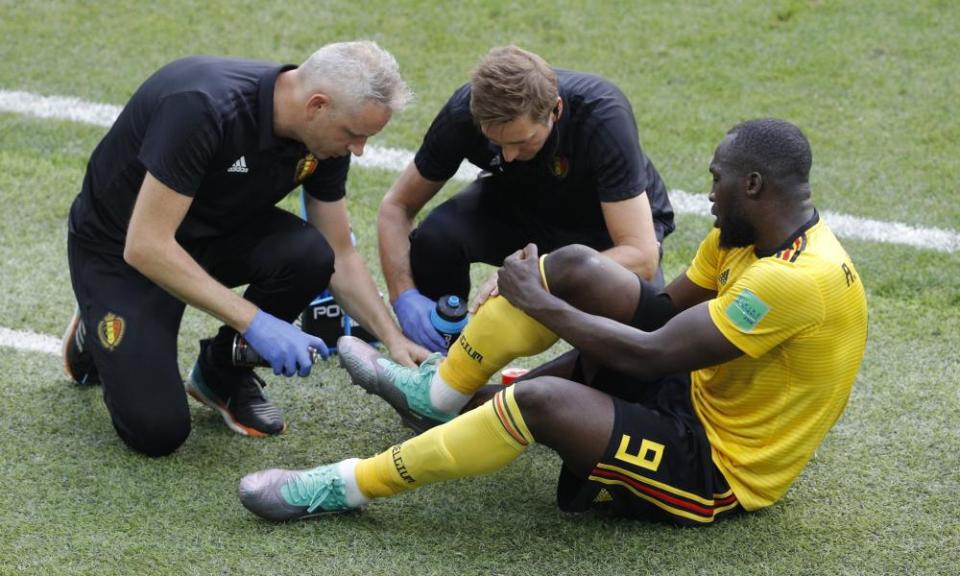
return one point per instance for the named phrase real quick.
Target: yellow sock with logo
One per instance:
(478, 442)
(498, 334)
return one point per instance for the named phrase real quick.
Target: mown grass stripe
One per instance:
(395, 159)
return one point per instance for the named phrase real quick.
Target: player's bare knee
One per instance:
(541, 400)
(571, 270)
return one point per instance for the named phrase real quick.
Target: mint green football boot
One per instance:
(279, 495)
(407, 390)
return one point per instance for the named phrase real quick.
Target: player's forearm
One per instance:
(393, 228)
(169, 266)
(355, 291)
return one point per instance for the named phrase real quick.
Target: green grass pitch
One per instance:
(873, 84)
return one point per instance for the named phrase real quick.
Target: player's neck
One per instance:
(780, 226)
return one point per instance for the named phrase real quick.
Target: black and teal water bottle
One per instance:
(449, 317)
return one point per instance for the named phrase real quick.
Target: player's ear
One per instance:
(753, 183)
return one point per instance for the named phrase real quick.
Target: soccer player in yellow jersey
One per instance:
(686, 404)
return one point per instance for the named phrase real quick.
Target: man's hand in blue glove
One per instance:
(413, 312)
(283, 345)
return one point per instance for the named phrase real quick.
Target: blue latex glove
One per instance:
(283, 345)
(413, 312)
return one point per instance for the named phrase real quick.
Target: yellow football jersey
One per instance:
(800, 317)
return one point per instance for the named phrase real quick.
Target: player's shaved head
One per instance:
(774, 148)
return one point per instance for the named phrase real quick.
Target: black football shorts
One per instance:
(657, 464)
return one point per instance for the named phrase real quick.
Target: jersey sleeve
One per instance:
(328, 182)
(183, 136)
(445, 144)
(615, 156)
(770, 303)
(703, 269)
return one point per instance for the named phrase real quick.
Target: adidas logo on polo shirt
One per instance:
(239, 166)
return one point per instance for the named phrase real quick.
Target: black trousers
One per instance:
(285, 261)
(484, 222)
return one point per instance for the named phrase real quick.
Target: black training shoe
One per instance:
(77, 360)
(236, 393)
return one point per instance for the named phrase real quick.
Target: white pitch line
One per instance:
(395, 159)
(58, 108)
(29, 341)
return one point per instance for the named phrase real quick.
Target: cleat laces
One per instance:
(415, 384)
(313, 488)
(411, 380)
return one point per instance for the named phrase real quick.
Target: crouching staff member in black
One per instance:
(562, 165)
(178, 204)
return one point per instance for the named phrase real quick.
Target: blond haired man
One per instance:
(561, 164)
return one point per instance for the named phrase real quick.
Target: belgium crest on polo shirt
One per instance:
(560, 166)
(305, 167)
(110, 330)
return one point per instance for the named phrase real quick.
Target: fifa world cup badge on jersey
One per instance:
(560, 166)
(305, 167)
(110, 330)
(747, 311)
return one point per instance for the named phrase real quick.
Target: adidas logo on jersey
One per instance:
(239, 166)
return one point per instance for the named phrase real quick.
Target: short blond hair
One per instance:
(510, 82)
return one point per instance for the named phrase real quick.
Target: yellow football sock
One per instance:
(498, 334)
(478, 442)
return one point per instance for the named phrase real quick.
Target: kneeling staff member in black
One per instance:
(178, 204)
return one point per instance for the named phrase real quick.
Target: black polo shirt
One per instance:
(592, 155)
(204, 127)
